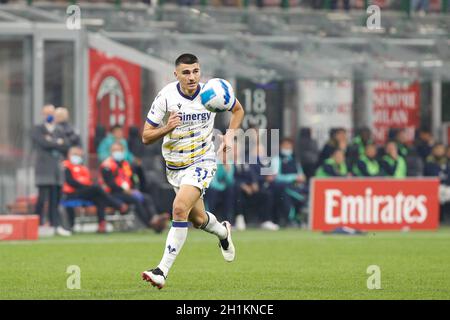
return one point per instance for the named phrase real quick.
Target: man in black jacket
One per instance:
(50, 147)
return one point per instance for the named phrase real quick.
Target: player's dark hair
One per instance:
(186, 58)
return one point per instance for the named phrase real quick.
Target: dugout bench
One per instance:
(85, 213)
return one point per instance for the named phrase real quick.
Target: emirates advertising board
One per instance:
(374, 204)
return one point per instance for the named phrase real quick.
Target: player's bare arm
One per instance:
(235, 123)
(152, 134)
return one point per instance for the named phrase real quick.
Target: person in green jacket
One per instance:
(367, 165)
(115, 135)
(334, 166)
(393, 164)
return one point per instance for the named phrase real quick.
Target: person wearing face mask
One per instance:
(116, 135)
(50, 147)
(288, 184)
(119, 180)
(79, 185)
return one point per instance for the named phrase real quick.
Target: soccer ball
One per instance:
(217, 95)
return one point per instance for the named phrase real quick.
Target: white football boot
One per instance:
(226, 245)
(155, 277)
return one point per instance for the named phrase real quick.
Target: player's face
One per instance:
(189, 76)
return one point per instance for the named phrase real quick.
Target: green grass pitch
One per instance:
(290, 264)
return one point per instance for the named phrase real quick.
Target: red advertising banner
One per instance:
(394, 105)
(374, 204)
(114, 93)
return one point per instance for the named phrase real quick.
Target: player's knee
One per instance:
(179, 211)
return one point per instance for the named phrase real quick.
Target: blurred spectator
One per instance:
(361, 140)
(116, 135)
(392, 164)
(358, 146)
(266, 196)
(79, 185)
(423, 143)
(62, 122)
(448, 152)
(338, 140)
(290, 183)
(367, 165)
(420, 5)
(50, 145)
(246, 188)
(335, 166)
(438, 165)
(221, 192)
(137, 149)
(345, 4)
(308, 151)
(119, 180)
(401, 139)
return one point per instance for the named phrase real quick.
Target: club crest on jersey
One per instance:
(179, 106)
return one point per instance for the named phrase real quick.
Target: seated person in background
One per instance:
(367, 165)
(119, 180)
(338, 140)
(401, 139)
(448, 153)
(116, 135)
(290, 183)
(361, 140)
(79, 185)
(392, 164)
(335, 166)
(423, 143)
(308, 150)
(246, 188)
(438, 165)
(221, 191)
(358, 146)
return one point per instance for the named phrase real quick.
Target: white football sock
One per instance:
(215, 227)
(175, 239)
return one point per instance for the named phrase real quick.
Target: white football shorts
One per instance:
(198, 175)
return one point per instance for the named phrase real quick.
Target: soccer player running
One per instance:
(178, 115)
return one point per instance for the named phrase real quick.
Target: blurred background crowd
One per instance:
(348, 101)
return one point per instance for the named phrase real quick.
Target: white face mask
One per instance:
(286, 152)
(76, 160)
(118, 155)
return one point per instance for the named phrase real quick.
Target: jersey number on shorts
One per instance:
(198, 170)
